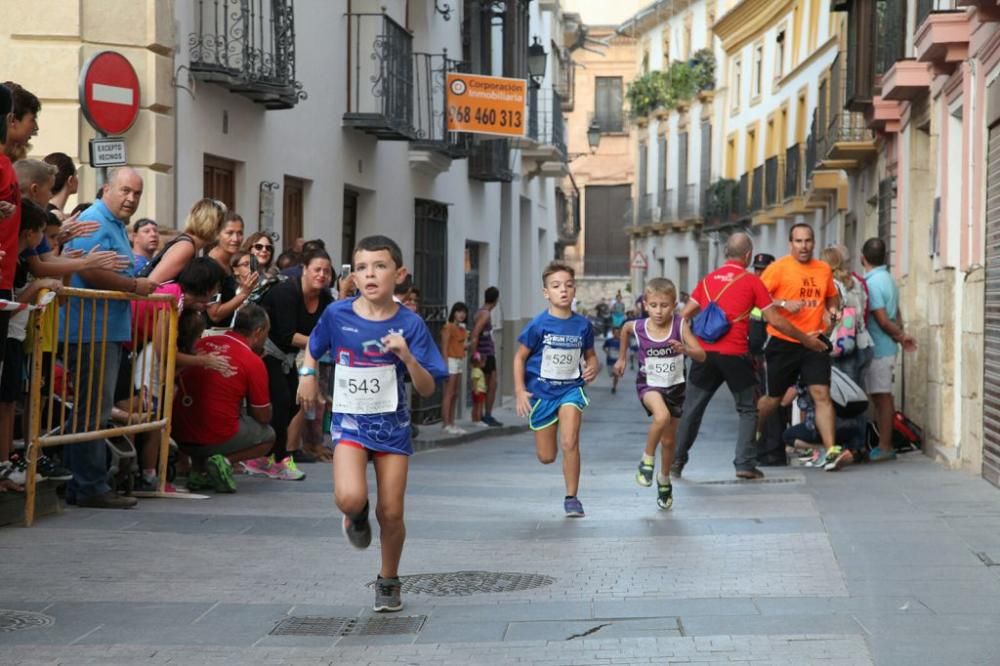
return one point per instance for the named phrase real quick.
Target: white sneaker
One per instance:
(455, 430)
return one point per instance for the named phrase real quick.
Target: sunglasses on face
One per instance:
(262, 247)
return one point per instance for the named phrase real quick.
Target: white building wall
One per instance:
(309, 142)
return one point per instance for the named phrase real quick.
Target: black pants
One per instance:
(283, 406)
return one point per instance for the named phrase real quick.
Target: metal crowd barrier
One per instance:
(148, 412)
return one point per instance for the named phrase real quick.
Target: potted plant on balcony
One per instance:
(703, 65)
(644, 94)
(719, 198)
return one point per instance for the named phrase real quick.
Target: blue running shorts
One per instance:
(545, 413)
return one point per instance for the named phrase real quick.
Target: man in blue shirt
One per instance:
(88, 460)
(885, 324)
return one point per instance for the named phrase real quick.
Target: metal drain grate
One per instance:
(741, 482)
(349, 626)
(466, 583)
(15, 620)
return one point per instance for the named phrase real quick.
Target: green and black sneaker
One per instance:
(664, 495)
(198, 481)
(644, 477)
(220, 471)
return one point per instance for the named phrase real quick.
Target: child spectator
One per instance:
(548, 381)
(373, 341)
(454, 339)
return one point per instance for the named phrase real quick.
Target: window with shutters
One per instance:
(292, 210)
(220, 180)
(608, 103)
(887, 218)
(705, 176)
(661, 195)
(860, 70)
(683, 193)
(736, 85)
(757, 82)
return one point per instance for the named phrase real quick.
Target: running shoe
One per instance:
(53, 471)
(677, 469)
(491, 422)
(358, 532)
(664, 495)
(286, 470)
(573, 507)
(19, 471)
(644, 477)
(200, 481)
(752, 474)
(388, 595)
(256, 467)
(481, 424)
(841, 461)
(881, 455)
(455, 430)
(220, 471)
(817, 459)
(831, 455)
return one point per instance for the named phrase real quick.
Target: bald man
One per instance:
(736, 292)
(88, 460)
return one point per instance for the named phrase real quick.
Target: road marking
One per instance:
(112, 94)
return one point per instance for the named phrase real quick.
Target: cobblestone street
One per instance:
(889, 564)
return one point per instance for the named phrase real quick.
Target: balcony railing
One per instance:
(380, 74)
(721, 206)
(793, 172)
(773, 177)
(430, 118)
(247, 46)
(489, 161)
(668, 205)
(545, 119)
(743, 196)
(690, 204)
(810, 157)
(890, 36)
(924, 9)
(757, 189)
(645, 205)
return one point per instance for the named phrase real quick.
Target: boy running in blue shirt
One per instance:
(548, 381)
(374, 342)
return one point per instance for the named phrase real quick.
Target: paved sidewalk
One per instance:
(887, 564)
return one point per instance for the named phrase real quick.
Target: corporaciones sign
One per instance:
(487, 104)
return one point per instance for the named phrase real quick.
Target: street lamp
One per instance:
(594, 136)
(537, 59)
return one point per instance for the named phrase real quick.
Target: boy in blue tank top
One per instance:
(374, 342)
(663, 341)
(548, 380)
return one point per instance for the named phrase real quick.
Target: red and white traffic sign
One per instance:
(109, 92)
(639, 261)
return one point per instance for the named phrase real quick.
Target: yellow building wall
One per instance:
(44, 51)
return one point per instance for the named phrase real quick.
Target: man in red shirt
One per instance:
(209, 422)
(736, 292)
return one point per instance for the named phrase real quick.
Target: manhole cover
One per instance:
(349, 626)
(15, 620)
(465, 583)
(739, 482)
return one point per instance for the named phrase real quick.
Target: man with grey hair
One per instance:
(736, 292)
(88, 460)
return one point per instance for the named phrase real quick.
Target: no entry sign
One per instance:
(109, 92)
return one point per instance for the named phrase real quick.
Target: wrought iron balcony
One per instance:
(757, 189)
(847, 137)
(810, 164)
(247, 46)
(743, 196)
(689, 206)
(721, 206)
(489, 161)
(381, 70)
(545, 124)
(793, 172)
(645, 205)
(773, 177)
(890, 37)
(924, 9)
(430, 117)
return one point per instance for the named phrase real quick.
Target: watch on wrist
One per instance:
(307, 372)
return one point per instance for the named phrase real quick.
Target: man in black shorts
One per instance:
(803, 289)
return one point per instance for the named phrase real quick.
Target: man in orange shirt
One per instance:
(804, 290)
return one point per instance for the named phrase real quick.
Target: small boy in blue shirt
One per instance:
(548, 380)
(374, 342)
(612, 349)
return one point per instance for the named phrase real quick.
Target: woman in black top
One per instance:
(234, 292)
(294, 307)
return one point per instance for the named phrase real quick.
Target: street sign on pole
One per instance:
(108, 152)
(639, 261)
(109, 93)
(487, 104)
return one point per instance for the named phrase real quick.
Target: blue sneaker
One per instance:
(880, 455)
(573, 508)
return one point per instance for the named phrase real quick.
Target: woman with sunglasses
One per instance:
(261, 246)
(235, 291)
(200, 229)
(294, 306)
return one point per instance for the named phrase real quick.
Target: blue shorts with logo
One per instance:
(545, 413)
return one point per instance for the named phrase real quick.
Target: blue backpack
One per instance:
(712, 323)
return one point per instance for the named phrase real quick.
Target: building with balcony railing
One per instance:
(673, 131)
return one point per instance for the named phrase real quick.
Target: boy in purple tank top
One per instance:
(664, 340)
